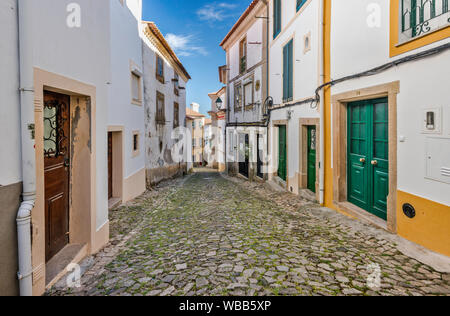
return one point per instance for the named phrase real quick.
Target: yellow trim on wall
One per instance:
(431, 225)
(395, 48)
(328, 196)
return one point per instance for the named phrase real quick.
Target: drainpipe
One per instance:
(25, 16)
(322, 103)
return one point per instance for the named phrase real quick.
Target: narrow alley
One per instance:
(209, 234)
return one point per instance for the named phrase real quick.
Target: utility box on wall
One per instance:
(432, 121)
(438, 159)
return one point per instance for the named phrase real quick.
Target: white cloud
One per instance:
(183, 45)
(215, 11)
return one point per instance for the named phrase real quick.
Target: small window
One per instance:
(136, 92)
(160, 108)
(136, 145)
(159, 69)
(238, 97)
(276, 18)
(176, 115)
(176, 84)
(193, 124)
(307, 43)
(243, 56)
(248, 94)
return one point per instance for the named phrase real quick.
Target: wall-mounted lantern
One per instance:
(219, 104)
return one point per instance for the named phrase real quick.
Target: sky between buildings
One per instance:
(194, 29)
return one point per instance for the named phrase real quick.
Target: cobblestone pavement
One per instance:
(212, 235)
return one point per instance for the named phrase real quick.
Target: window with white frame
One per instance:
(237, 97)
(248, 94)
(160, 108)
(136, 91)
(420, 17)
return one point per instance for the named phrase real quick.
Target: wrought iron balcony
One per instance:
(423, 16)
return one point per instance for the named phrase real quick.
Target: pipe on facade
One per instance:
(322, 103)
(25, 19)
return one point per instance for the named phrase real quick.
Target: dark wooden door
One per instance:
(56, 171)
(282, 152)
(244, 155)
(259, 158)
(312, 158)
(110, 166)
(368, 180)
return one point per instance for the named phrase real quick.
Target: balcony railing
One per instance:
(423, 16)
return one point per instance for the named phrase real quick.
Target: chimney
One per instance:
(195, 107)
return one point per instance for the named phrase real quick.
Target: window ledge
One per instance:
(401, 43)
(136, 102)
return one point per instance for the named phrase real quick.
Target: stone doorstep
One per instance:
(56, 268)
(114, 203)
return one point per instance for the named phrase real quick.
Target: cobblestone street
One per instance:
(211, 235)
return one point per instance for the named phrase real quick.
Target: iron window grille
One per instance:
(420, 17)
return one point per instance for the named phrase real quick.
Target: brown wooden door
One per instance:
(110, 166)
(56, 171)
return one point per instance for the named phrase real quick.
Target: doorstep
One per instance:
(113, 203)
(56, 266)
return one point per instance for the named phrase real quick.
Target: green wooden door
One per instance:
(312, 158)
(282, 152)
(368, 165)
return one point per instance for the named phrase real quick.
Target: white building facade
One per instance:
(58, 139)
(404, 105)
(218, 116)
(246, 80)
(126, 153)
(72, 132)
(294, 126)
(166, 138)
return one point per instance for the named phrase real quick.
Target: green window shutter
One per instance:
(276, 18)
(288, 72)
(300, 4)
(285, 73)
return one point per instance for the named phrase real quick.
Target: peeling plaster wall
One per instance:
(82, 54)
(158, 138)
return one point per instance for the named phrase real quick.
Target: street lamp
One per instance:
(219, 104)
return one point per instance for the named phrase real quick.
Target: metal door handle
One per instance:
(362, 160)
(374, 162)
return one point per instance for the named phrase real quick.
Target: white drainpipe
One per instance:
(28, 151)
(322, 104)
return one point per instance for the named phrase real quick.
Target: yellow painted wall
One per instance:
(328, 196)
(431, 226)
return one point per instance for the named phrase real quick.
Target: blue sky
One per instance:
(194, 29)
